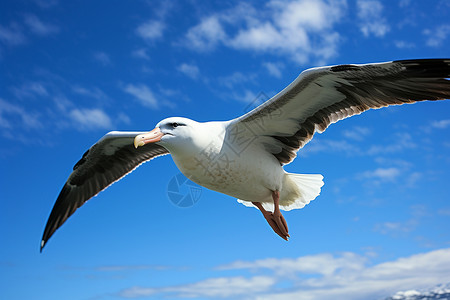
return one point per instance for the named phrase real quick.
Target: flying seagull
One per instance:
(244, 157)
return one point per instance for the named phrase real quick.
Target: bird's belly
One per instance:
(250, 175)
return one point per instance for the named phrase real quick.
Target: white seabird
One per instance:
(244, 157)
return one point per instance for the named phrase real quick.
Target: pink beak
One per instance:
(150, 137)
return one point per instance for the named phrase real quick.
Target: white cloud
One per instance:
(90, 118)
(235, 79)
(383, 174)
(274, 69)
(413, 178)
(357, 133)
(389, 161)
(280, 27)
(315, 277)
(140, 53)
(150, 30)
(13, 116)
(38, 27)
(394, 144)
(123, 118)
(402, 227)
(404, 45)
(395, 227)
(324, 264)
(95, 92)
(436, 37)
(318, 145)
(30, 89)
(400, 142)
(264, 37)
(222, 287)
(143, 94)
(206, 35)
(370, 15)
(189, 70)
(441, 124)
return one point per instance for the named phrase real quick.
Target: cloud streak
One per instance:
(91, 118)
(13, 116)
(38, 27)
(143, 94)
(12, 35)
(315, 277)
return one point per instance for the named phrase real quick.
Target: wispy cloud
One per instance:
(357, 133)
(383, 174)
(395, 228)
(400, 142)
(95, 92)
(30, 89)
(222, 287)
(404, 44)
(318, 145)
(150, 30)
(121, 268)
(46, 3)
(103, 58)
(371, 19)
(189, 70)
(237, 79)
(444, 212)
(39, 27)
(393, 162)
(15, 116)
(441, 124)
(437, 36)
(314, 277)
(12, 35)
(268, 28)
(50, 106)
(274, 69)
(140, 53)
(143, 94)
(402, 227)
(90, 118)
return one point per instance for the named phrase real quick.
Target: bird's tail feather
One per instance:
(303, 189)
(298, 191)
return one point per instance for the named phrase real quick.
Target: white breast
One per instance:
(246, 172)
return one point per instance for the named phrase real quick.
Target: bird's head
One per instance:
(174, 133)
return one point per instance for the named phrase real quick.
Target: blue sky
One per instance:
(73, 70)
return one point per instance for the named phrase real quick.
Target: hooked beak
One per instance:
(150, 137)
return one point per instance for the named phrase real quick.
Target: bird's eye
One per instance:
(174, 125)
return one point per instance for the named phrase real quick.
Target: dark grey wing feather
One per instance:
(110, 159)
(322, 96)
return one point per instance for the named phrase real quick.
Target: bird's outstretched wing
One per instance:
(322, 96)
(107, 161)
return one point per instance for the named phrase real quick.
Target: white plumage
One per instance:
(244, 157)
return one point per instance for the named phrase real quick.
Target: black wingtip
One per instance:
(432, 67)
(42, 246)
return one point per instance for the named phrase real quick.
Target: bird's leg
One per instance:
(275, 218)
